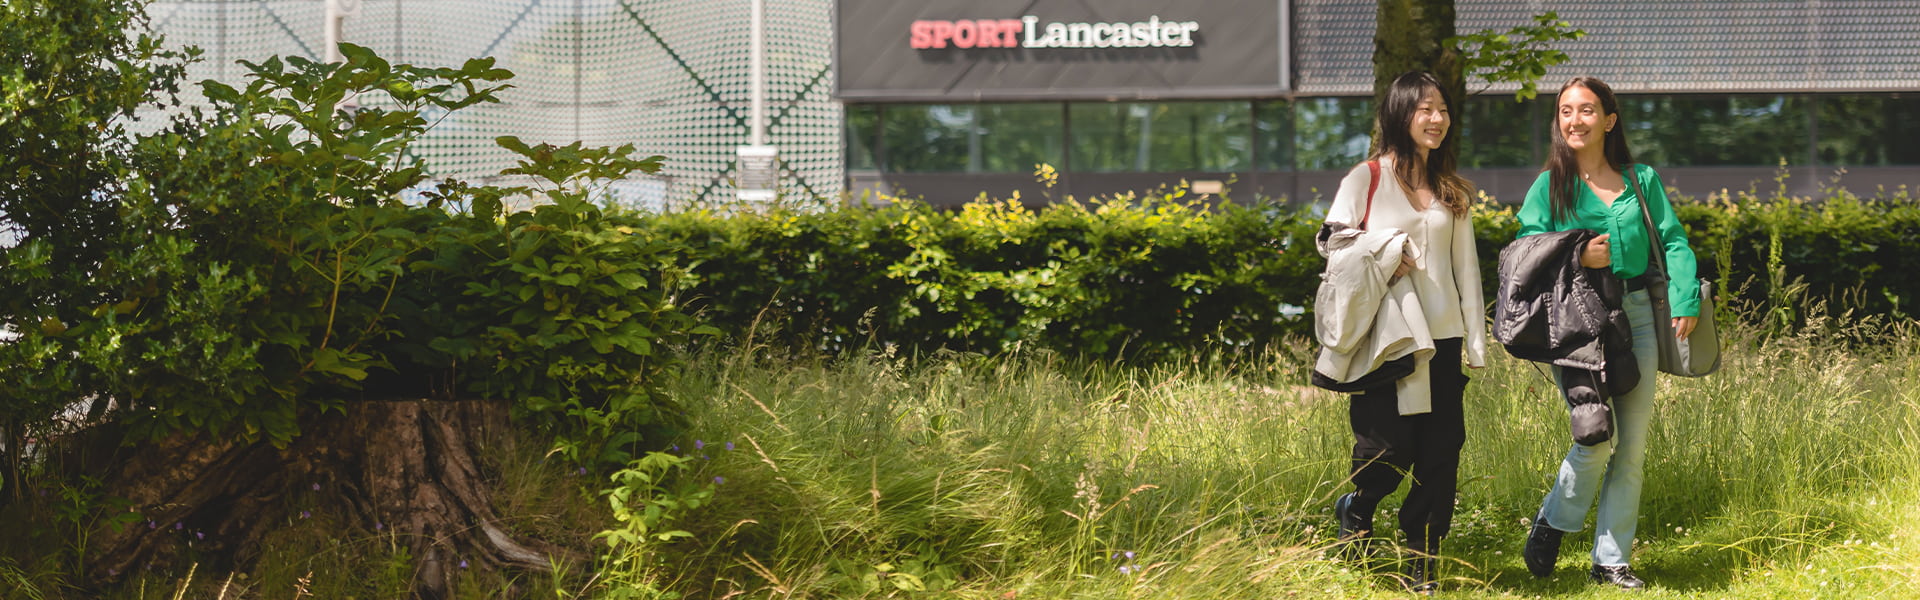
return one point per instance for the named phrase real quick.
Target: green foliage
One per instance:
(1520, 55)
(565, 308)
(1781, 256)
(263, 240)
(1141, 274)
(1158, 275)
(262, 267)
(645, 508)
(72, 73)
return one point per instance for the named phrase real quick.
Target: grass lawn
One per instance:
(1792, 473)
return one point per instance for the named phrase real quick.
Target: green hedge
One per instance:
(1147, 274)
(1130, 274)
(1780, 255)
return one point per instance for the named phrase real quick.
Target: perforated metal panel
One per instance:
(1656, 46)
(668, 76)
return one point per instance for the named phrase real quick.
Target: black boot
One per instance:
(1353, 524)
(1421, 560)
(1542, 549)
(1619, 576)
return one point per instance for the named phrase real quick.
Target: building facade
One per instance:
(1717, 94)
(668, 76)
(948, 99)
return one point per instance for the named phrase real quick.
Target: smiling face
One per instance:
(1430, 121)
(1583, 121)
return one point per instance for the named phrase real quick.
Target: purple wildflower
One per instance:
(676, 448)
(729, 446)
(113, 572)
(199, 535)
(178, 526)
(316, 486)
(463, 564)
(699, 445)
(152, 525)
(703, 457)
(581, 471)
(718, 480)
(379, 526)
(305, 514)
(1129, 554)
(1124, 569)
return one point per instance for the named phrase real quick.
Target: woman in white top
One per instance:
(1419, 193)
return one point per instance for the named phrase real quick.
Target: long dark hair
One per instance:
(1563, 167)
(1393, 119)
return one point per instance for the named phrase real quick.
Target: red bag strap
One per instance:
(1373, 167)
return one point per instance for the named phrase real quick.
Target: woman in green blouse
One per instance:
(1590, 183)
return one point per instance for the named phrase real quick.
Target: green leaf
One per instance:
(629, 280)
(329, 360)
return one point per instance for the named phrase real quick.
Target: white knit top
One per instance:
(1447, 273)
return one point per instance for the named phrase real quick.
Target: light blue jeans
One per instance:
(1611, 470)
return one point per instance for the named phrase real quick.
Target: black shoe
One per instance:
(1417, 575)
(1621, 577)
(1542, 549)
(1352, 526)
(1420, 565)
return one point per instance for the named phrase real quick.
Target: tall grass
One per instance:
(1790, 473)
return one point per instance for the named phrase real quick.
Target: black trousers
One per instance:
(1388, 446)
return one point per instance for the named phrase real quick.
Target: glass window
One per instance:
(1497, 132)
(1332, 133)
(1273, 130)
(863, 122)
(1868, 129)
(1716, 130)
(1014, 138)
(927, 138)
(1161, 136)
(973, 138)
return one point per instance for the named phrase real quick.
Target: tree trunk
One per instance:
(1410, 35)
(406, 466)
(12, 487)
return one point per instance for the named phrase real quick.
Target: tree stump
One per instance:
(410, 467)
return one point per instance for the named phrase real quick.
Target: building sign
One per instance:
(1026, 32)
(1011, 50)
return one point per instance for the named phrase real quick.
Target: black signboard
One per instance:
(971, 50)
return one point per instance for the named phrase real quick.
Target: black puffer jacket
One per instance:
(1550, 309)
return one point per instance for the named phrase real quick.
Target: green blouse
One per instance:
(1623, 221)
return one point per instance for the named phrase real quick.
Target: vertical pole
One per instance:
(332, 27)
(758, 178)
(756, 61)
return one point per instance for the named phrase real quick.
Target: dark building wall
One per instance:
(1717, 95)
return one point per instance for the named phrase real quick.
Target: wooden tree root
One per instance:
(408, 468)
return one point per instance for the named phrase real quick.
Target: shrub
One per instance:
(1130, 274)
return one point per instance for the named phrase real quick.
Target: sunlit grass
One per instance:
(1790, 474)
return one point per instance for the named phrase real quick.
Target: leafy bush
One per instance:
(1779, 253)
(1146, 275)
(262, 267)
(74, 72)
(1141, 274)
(1136, 274)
